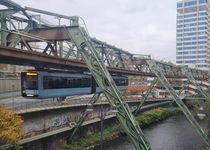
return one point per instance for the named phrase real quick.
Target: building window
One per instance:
(202, 28)
(178, 62)
(190, 34)
(202, 37)
(190, 29)
(179, 5)
(190, 43)
(203, 1)
(202, 23)
(190, 20)
(202, 42)
(180, 21)
(179, 44)
(201, 66)
(203, 13)
(189, 39)
(191, 3)
(203, 18)
(190, 15)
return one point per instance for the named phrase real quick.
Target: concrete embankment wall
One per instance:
(9, 84)
(51, 140)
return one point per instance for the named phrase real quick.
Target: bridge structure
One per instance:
(28, 38)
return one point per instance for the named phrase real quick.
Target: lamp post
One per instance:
(102, 120)
(202, 113)
(102, 116)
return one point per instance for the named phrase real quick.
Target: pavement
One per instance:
(9, 95)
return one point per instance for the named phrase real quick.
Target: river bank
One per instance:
(145, 119)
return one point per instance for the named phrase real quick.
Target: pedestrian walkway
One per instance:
(9, 94)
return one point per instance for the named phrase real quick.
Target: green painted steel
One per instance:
(4, 15)
(98, 56)
(146, 95)
(84, 114)
(158, 71)
(107, 85)
(190, 77)
(19, 38)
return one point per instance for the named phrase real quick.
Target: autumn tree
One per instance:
(10, 126)
(3, 66)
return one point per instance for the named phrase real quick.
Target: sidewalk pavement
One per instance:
(9, 94)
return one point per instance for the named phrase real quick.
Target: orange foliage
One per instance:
(10, 125)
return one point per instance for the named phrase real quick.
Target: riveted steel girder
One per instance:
(108, 87)
(158, 70)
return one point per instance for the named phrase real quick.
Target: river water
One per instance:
(174, 133)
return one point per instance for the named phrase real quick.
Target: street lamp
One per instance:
(102, 116)
(201, 113)
(89, 108)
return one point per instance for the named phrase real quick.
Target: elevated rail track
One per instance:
(26, 41)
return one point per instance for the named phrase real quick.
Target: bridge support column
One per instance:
(146, 95)
(84, 114)
(157, 70)
(190, 77)
(107, 85)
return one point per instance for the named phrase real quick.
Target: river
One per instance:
(174, 133)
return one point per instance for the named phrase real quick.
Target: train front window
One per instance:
(29, 81)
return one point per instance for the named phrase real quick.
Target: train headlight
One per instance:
(31, 74)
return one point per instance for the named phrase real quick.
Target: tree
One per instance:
(2, 66)
(10, 126)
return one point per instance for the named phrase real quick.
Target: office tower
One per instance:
(192, 46)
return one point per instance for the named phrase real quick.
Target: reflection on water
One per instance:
(175, 133)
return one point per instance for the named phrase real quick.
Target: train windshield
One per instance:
(29, 81)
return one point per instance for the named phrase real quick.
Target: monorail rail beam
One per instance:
(107, 85)
(158, 71)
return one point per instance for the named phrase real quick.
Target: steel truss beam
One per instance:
(190, 77)
(112, 56)
(108, 86)
(156, 68)
(146, 95)
(84, 114)
(97, 56)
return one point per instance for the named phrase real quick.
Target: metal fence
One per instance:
(36, 104)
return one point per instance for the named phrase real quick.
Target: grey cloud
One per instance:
(139, 26)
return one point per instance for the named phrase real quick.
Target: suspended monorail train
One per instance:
(45, 84)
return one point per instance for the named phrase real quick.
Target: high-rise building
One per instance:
(192, 46)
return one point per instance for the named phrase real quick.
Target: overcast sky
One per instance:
(137, 26)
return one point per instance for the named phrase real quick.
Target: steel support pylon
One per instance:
(158, 72)
(84, 114)
(104, 80)
(190, 77)
(146, 95)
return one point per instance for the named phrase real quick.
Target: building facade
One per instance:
(12, 70)
(192, 46)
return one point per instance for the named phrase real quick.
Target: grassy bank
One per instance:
(145, 119)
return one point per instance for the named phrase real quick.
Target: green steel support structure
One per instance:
(190, 77)
(98, 56)
(146, 95)
(84, 114)
(107, 85)
(158, 72)
(4, 15)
